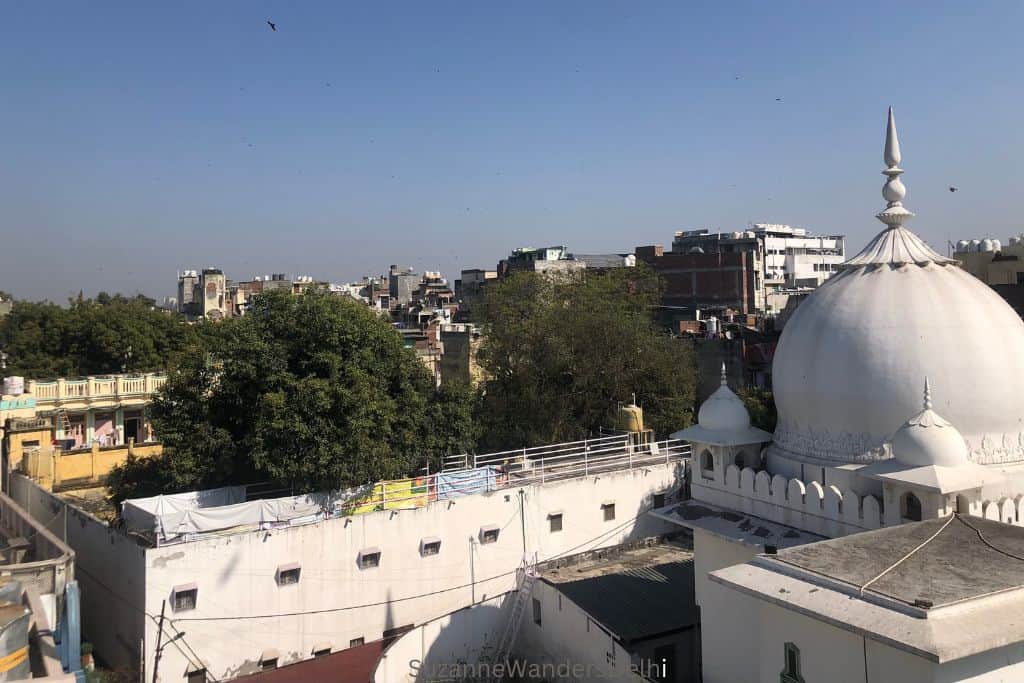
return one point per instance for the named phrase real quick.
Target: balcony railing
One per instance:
(111, 387)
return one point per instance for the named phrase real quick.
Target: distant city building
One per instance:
(472, 282)
(543, 260)
(402, 282)
(992, 262)
(750, 271)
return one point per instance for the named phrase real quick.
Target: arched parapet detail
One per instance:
(851, 507)
(1007, 511)
(871, 512)
(779, 489)
(1020, 507)
(795, 493)
(833, 502)
(815, 497)
(747, 476)
(991, 510)
(763, 486)
(732, 477)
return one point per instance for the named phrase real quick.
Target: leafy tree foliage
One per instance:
(90, 337)
(561, 353)
(760, 404)
(310, 392)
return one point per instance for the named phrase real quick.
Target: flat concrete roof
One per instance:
(732, 525)
(969, 557)
(971, 572)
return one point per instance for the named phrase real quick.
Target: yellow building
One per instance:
(991, 262)
(77, 429)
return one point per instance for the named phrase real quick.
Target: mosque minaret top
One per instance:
(896, 244)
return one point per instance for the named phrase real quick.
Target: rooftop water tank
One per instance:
(997, 245)
(975, 245)
(1014, 240)
(14, 386)
(631, 418)
(962, 246)
(986, 245)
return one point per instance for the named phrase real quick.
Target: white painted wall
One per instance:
(109, 567)
(438, 647)
(726, 639)
(568, 637)
(745, 640)
(235, 573)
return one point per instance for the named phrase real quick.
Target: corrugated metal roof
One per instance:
(638, 602)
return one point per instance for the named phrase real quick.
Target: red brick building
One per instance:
(716, 280)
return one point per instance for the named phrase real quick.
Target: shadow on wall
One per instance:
(457, 646)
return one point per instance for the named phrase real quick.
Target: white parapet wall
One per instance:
(243, 607)
(823, 510)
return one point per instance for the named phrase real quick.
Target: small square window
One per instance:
(555, 521)
(430, 546)
(536, 611)
(196, 676)
(321, 649)
(288, 574)
(356, 642)
(609, 511)
(184, 598)
(268, 659)
(489, 534)
(659, 500)
(369, 558)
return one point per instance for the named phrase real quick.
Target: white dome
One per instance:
(723, 412)
(927, 439)
(851, 353)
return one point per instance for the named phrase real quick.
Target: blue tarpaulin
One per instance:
(455, 484)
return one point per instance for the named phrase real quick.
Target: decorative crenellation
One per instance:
(823, 510)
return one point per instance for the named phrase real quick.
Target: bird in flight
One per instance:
(778, 99)
(272, 25)
(953, 189)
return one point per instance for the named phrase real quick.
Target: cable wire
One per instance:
(329, 610)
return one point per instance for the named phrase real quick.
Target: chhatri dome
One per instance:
(723, 420)
(850, 357)
(927, 439)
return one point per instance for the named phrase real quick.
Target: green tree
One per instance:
(760, 404)
(310, 392)
(91, 337)
(561, 353)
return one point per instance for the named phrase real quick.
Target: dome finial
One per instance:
(724, 382)
(893, 191)
(927, 394)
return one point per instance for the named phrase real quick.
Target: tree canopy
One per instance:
(561, 353)
(310, 392)
(760, 404)
(90, 337)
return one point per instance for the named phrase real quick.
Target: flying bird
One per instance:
(272, 25)
(778, 99)
(953, 189)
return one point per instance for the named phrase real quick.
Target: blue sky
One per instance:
(140, 138)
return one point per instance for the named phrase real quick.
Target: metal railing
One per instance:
(468, 474)
(489, 472)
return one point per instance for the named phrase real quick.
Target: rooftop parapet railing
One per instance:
(489, 472)
(110, 386)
